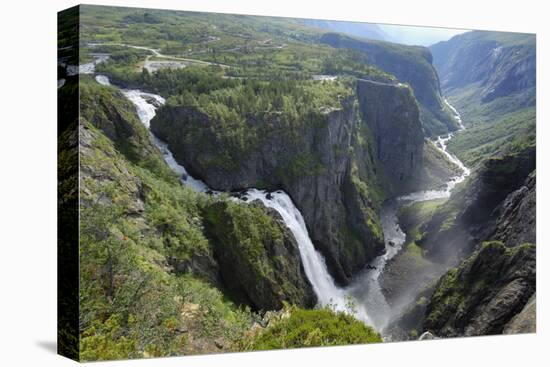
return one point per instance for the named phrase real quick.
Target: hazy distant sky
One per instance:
(424, 36)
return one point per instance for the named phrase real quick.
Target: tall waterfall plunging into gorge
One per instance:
(328, 294)
(364, 297)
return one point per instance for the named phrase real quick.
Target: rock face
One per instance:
(389, 112)
(258, 257)
(488, 292)
(483, 294)
(525, 321)
(498, 203)
(493, 285)
(410, 64)
(515, 221)
(328, 165)
(498, 64)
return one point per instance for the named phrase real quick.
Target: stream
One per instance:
(363, 297)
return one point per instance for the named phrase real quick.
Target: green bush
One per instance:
(313, 328)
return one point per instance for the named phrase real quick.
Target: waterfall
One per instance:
(328, 294)
(364, 297)
(314, 264)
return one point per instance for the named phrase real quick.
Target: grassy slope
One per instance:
(310, 328)
(493, 138)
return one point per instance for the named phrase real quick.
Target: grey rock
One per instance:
(325, 190)
(525, 321)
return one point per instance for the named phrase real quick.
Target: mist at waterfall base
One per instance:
(364, 297)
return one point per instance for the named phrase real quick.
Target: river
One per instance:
(363, 298)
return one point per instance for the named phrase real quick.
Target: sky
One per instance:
(423, 36)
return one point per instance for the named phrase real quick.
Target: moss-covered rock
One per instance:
(483, 294)
(258, 256)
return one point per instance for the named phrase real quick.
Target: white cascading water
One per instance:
(364, 297)
(146, 111)
(314, 264)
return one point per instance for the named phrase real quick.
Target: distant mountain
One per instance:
(366, 30)
(490, 77)
(499, 63)
(417, 35)
(406, 35)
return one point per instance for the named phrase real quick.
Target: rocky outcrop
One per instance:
(516, 216)
(331, 164)
(109, 111)
(496, 203)
(390, 112)
(259, 260)
(484, 293)
(525, 321)
(410, 64)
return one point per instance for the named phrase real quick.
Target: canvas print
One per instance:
(233, 183)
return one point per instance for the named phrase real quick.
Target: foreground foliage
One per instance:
(313, 328)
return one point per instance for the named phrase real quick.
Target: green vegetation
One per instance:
(312, 328)
(285, 108)
(258, 258)
(496, 98)
(136, 219)
(131, 302)
(477, 278)
(243, 46)
(152, 252)
(485, 139)
(409, 64)
(413, 217)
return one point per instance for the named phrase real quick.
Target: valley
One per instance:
(233, 191)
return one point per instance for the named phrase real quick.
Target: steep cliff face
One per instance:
(391, 113)
(410, 64)
(328, 164)
(492, 291)
(312, 164)
(486, 207)
(484, 293)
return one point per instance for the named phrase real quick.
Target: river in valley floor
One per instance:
(364, 297)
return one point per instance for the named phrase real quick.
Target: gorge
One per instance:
(363, 297)
(279, 186)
